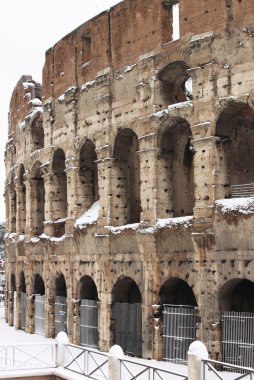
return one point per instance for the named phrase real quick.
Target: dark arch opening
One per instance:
(237, 295)
(235, 127)
(126, 290)
(128, 176)
(88, 289)
(176, 169)
(38, 199)
(13, 283)
(22, 282)
(176, 83)
(22, 200)
(177, 292)
(88, 174)
(61, 286)
(39, 287)
(59, 204)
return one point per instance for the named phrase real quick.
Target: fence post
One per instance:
(197, 351)
(61, 339)
(115, 353)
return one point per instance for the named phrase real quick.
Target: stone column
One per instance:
(76, 321)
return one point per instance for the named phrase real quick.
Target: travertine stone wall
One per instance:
(156, 132)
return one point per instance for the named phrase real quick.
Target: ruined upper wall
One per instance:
(131, 29)
(24, 92)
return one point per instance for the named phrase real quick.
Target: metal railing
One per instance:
(132, 370)
(246, 373)
(27, 356)
(241, 191)
(86, 361)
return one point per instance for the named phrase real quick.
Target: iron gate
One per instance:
(14, 308)
(238, 338)
(39, 314)
(23, 311)
(128, 327)
(89, 323)
(60, 314)
(179, 331)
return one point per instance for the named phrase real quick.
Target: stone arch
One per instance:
(37, 199)
(127, 316)
(176, 83)
(237, 295)
(21, 199)
(87, 288)
(176, 291)
(235, 130)
(89, 332)
(176, 169)
(60, 304)
(127, 205)
(88, 174)
(39, 286)
(59, 203)
(37, 132)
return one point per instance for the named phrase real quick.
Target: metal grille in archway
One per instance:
(60, 314)
(89, 323)
(179, 331)
(23, 311)
(39, 318)
(238, 338)
(128, 327)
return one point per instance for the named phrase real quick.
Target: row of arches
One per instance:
(175, 311)
(175, 174)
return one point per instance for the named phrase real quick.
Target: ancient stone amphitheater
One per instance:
(129, 183)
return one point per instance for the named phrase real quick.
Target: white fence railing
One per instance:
(86, 361)
(245, 373)
(27, 356)
(130, 370)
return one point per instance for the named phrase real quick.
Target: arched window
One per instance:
(37, 200)
(127, 203)
(59, 204)
(127, 316)
(176, 170)
(88, 174)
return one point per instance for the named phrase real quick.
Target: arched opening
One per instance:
(235, 128)
(39, 303)
(236, 301)
(37, 133)
(176, 84)
(22, 288)
(127, 316)
(127, 202)
(176, 179)
(12, 304)
(21, 201)
(59, 203)
(88, 174)
(179, 319)
(60, 305)
(89, 334)
(37, 200)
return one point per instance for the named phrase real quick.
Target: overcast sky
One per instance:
(28, 28)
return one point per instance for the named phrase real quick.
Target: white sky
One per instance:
(27, 29)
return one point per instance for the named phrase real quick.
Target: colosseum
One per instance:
(129, 183)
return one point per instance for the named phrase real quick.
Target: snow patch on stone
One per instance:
(89, 217)
(241, 205)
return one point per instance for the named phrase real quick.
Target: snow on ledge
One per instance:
(89, 217)
(241, 205)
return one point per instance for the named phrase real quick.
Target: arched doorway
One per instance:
(176, 164)
(235, 128)
(59, 202)
(89, 335)
(179, 319)
(60, 305)
(127, 316)
(236, 302)
(39, 302)
(13, 301)
(22, 288)
(127, 164)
